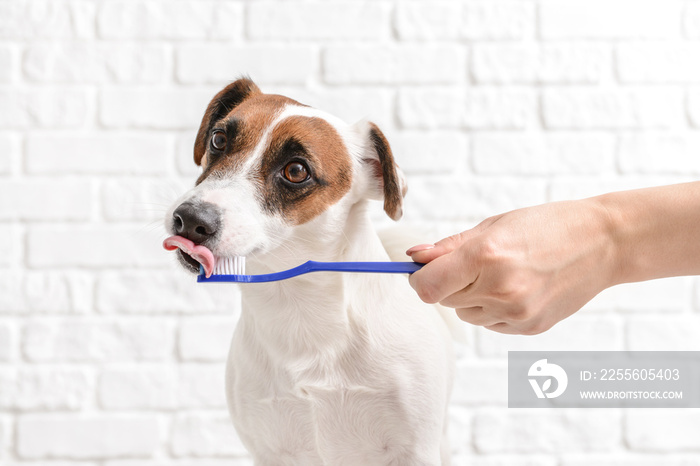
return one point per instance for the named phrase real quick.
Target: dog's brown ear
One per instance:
(389, 182)
(222, 103)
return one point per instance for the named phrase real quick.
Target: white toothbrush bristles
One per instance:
(230, 266)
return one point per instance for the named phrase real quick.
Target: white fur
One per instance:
(329, 368)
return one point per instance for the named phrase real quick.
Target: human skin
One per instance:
(523, 271)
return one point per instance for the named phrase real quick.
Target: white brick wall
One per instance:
(111, 356)
(551, 63)
(551, 431)
(670, 431)
(601, 19)
(270, 64)
(96, 437)
(317, 20)
(95, 63)
(48, 389)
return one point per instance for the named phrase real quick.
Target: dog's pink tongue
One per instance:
(200, 253)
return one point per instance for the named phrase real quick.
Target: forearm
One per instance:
(655, 231)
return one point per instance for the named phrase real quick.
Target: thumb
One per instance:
(425, 253)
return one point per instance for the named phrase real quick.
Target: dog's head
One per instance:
(273, 168)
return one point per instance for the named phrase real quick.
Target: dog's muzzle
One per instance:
(195, 224)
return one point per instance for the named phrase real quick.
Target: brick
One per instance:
(604, 19)
(164, 388)
(403, 64)
(550, 431)
(151, 109)
(429, 151)
(50, 340)
(93, 437)
(5, 431)
(7, 341)
(184, 155)
(576, 63)
(655, 153)
(628, 459)
(98, 153)
(98, 246)
(350, 105)
(691, 20)
(577, 333)
(664, 295)
(60, 108)
(47, 19)
(95, 63)
(658, 62)
(147, 388)
(471, 20)
(500, 19)
(205, 339)
(460, 430)
(480, 383)
(505, 460)
(672, 333)
(140, 198)
(242, 461)
(9, 150)
(45, 292)
(170, 20)
(45, 199)
(543, 153)
(482, 108)
(132, 292)
(10, 246)
(318, 20)
(264, 64)
(443, 198)
(58, 463)
(202, 386)
(565, 188)
(44, 389)
(624, 108)
(662, 430)
(7, 64)
(428, 20)
(205, 435)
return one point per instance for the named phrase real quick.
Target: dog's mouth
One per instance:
(192, 255)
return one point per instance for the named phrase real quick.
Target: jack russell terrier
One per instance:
(326, 368)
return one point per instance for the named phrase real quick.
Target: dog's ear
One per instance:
(387, 179)
(222, 103)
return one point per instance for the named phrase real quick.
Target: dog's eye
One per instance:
(296, 172)
(218, 140)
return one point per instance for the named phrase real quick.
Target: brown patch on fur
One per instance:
(221, 105)
(244, 126)
(393, 191)
(314, 142)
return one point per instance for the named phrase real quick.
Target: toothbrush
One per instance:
(232, 270)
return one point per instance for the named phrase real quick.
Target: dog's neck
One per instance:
(304, 315)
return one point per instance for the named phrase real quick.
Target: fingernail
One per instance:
(420, 247)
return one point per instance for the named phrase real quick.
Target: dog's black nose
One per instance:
(196, 222)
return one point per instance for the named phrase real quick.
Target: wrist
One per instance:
(614, 221)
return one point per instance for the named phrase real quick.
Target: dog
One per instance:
(324, 368)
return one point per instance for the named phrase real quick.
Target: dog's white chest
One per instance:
(317, 422)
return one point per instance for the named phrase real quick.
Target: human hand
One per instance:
(523, 271)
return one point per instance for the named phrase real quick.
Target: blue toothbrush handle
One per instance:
(381, 267)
